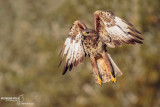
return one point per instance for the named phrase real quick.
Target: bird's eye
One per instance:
(87, 32)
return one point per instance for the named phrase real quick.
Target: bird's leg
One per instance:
(109, 65)
(95, 68)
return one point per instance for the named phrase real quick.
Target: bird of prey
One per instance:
(109, 31)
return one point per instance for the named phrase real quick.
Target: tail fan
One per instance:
(115, 67)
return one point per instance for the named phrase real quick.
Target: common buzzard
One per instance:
(110, 31)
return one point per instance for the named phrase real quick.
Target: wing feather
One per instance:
(116, 29)
(73, 47)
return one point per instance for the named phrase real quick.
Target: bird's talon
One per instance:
(99, 81)
(113, 79)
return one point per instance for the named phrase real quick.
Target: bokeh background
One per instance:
(32, 33)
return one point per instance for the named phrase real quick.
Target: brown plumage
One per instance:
(110, 31)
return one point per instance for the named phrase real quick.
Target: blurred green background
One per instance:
(32, 33)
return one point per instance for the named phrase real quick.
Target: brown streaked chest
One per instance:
(93, 46)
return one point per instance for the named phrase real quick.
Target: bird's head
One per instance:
(89, 32)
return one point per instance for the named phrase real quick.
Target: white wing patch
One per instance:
(116, 33)
(74, 51)
(67, 45)
(120, 23)
(121, 32)
(73, 47)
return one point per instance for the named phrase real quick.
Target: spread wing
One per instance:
(73, 47)
(114, 30)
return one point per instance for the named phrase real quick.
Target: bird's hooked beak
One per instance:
(84, 33)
